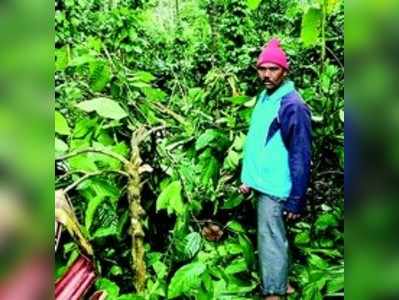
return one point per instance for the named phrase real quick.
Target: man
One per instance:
(276, 165)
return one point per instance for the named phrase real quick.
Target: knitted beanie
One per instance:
(273, 53)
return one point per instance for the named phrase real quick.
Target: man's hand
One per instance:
(291, 216)
(244, 189)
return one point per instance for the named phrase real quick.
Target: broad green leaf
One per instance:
(82, 163)
(204, 139)
(196, 94)
(208, 283)
(326, 243)
(180, 229)
(232, 160)
(233, 201)
(70, 247)
(325, 83)
(106, 221)
(94, 43)
(250, 103)
(81, 60)
(253, 4)
(233, 248)
(76, 144)
(100, 74)
(336, 284)
(318, 262)
(121, 148)
(186, 279)
(171, 199)
(105, 231)
(105, 161)
(116, 270)
(219, 288)
(312, 291)
(192, 244)
(235, 226)
(107, 285)
(104, 138)
(61, 124)
(247, 249)
(61, 59)
(206, 292)
(176, 201)
(238, 143)
(236, 285)
(330, 71)
(153, 257)
(302, 238)
(60, 147)
(236, 266)
(195, 206)
(237, 100)
(157, 288)
(105, 188)
(331, 253)
(221, 250)
(160, 269)
(325, 220)
(91, 210)
(310, 29)
(84, 127)
(210, 165)
(188, 172)
(143, 76)
(150, 114)
(140, 84)
(154, 94)
(105, 107)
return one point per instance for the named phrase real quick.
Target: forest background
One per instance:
(158, 95)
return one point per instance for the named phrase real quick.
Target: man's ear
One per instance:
(285, 74)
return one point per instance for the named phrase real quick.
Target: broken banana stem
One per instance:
(76, 281)
(65, 215)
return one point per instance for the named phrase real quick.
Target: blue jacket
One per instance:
(277, 150)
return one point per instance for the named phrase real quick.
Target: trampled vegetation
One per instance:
(153, 101)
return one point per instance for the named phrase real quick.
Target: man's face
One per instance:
(271, 75)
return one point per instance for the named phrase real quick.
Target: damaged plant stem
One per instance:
(133, 170)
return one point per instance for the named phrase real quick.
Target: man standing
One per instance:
(276, 165)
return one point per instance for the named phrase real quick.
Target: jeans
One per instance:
(272, 245)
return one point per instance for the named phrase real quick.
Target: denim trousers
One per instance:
(272, 245)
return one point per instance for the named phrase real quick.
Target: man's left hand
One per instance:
(291, 216)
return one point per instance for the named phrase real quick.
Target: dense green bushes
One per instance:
(187, 73)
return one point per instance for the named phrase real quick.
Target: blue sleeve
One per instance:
(296, 131)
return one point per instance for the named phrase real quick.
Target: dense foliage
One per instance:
(167, 88)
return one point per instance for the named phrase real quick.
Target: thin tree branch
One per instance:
(152, 130)
(331, 172)
(92, 150)
(89, 175)
(335, 57)
(109, 57)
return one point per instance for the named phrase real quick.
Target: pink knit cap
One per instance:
(272, 53)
